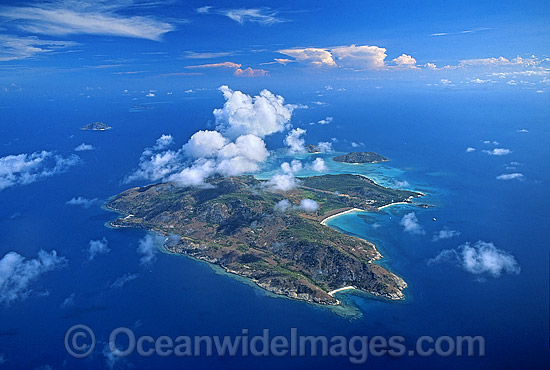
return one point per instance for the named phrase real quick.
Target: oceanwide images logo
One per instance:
(80, 342)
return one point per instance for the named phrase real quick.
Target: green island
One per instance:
(234, 223)
(361, 157)
(96, 126)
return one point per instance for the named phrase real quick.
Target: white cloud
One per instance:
(295, 141)
(314, 56)
(123, 280)
(292, 167)
(25, 169)
(204, 144)
(325, 146)
(282, 182)
(446, 233)
(69, 301)
(470, 149)
(68, 17)
(204, 9)
(523, 130)
(500, 61)
(446, 82)
(319, 165)
(96, 247)
(16, 273)
(401, 184)
(308, 205)
(147, 248)
(498, 151)
(282, 206)
(263, 16)
(83, 202)
(195, 175)
(235, 148)
(324, 121)
(20, 47)
(83, 147)
(511, 176)
(405, 61)
(261, 115)
(410, 224)
(363, 56)
(237, 70)
(482, 258)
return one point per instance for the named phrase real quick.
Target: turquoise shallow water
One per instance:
(179, 296)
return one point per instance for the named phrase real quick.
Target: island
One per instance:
(96, 126)
(250, 230)
(361, 157)
(313, 149)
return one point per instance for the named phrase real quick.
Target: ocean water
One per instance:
(425, 136)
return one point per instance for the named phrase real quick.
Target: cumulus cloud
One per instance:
(147, 248)
(295, 141)
(410, 224)
(123, 280)
(234, 148)
(96, 247)
(282, 206)
(319, 165)
(25, 169)
(83, 202)
(282, 182)
(84, 147)
(481, 258)
(498, 151)
(470, 149)
(446, 233)
(17, 273)
(261, 115)
(69, 17)
(325, 146)
(308, 205)
(204, 144)
(405, 61)
(292, 167)
(511, 176)
(313, 56)
(363, 56)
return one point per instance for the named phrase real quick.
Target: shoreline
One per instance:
(324, 221)
(332, 292)
(394, 204)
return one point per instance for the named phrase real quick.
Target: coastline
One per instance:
(394, 204)
(352, 210)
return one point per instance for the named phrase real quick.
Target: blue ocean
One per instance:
(424, 133)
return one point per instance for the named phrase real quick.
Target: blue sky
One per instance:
(149, 43)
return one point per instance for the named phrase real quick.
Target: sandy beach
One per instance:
(332, 292)
(324, 222)
(393, 204)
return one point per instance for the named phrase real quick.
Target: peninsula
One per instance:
(361, 157)
(96, 126)
(238, 223)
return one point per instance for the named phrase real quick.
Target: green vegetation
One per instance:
(234, 225)
(361, 157)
